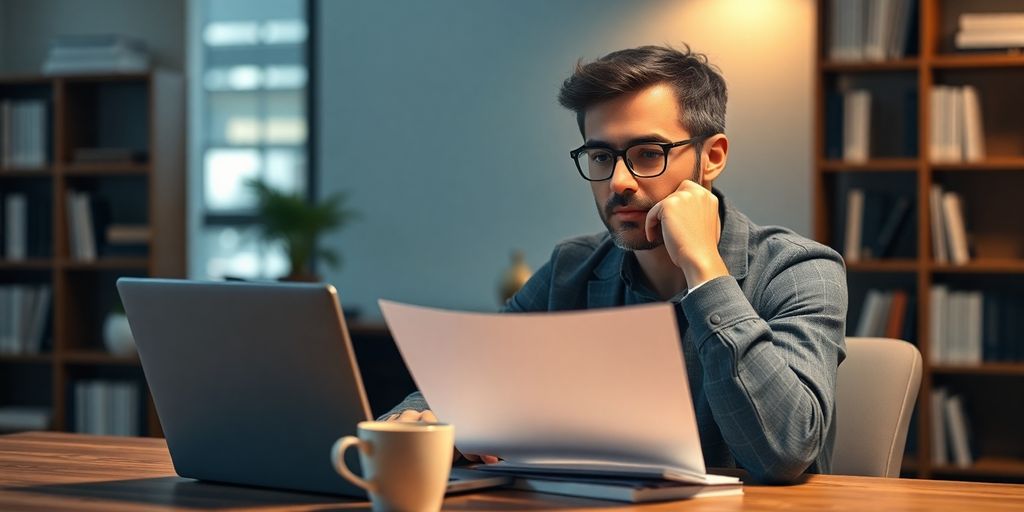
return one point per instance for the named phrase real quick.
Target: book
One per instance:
(957, 430)
(606, 469)
(623, 489)
(940, 453)
(890, 227)
(938, 234)
(990, 21)
(956, 230)
(857, 126)
(937, 324)
(20, 418)
(974, 133)
(854, 218)
(16, 227)
(974, 40)
(897, 315)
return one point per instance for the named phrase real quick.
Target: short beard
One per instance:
(619, 236)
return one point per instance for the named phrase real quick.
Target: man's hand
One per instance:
(427, 416)
(690, 228)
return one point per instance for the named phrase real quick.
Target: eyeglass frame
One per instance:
(617, 153)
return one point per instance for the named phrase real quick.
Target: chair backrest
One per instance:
(876, 390)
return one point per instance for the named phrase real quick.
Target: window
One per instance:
(248, 98)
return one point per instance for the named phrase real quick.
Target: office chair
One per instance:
(876, 390)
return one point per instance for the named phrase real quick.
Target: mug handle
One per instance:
(338, 460)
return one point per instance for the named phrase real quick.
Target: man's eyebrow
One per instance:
(651, 137)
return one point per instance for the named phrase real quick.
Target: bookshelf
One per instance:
(140, 115)
(900, 163)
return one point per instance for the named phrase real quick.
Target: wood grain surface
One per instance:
(57, 471)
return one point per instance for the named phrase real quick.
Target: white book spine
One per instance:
(936, 127)
(991, 22)
(938, 234)
(867, 312)
(940, 454)
(854, 224)
(16, 229)
(974, 132)
(85, 224)
(956, 423)
(937, 312)
(956, 227)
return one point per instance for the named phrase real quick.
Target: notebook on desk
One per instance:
(598, 392)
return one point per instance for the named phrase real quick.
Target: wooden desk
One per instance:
(52, 471)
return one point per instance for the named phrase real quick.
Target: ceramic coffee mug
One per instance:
(405, 465)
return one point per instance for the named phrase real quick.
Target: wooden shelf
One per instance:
(1007, 369)
(26, 265)
(144, 112)
(106, 264)
(901, 91)
(19, 172)
(884, 266)
(98, 357)
(874, 165)
(869, 67)
(988, 466)
(981, 266)
(26, 358)
(978, 61)
(992, 164)
(105, 169)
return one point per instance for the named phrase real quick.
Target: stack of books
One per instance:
(83, 232)
(24, 311)
(107, 408)
(970, 327)
(22, 418)
(100, 53)
(957, 132)
(23, 133)
(874, 224)
(949, 227)
(887, 314)
(991, 30)
(870, 30)
(951, 435)
(634, 483)
(25, 226)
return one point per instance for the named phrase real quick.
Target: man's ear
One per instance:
(715, 154)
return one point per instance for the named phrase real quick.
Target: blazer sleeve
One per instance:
(770, 377)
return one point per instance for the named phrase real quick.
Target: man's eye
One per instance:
(600, 157)
(650, 154)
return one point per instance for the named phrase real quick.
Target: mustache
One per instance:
(630, 201)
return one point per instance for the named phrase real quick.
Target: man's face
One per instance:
(623, 201)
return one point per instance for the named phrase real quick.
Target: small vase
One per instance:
(117, 335)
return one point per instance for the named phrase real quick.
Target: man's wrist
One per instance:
(699, 273)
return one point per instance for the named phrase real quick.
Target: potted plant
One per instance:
(297, 223)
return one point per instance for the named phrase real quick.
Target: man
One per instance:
(761, 310)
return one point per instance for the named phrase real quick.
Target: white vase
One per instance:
(117, 335)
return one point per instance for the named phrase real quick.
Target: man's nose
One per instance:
(622, 180)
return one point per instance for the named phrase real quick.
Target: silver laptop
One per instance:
(252, 382)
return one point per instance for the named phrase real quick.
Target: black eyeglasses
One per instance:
(643, 159)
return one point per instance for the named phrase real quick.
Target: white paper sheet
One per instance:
(589, 387)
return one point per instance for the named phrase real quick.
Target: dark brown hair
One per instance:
(698, 85)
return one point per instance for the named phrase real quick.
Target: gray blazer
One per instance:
(762, 345)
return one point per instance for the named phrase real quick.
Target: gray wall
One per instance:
(27, 26)
(440, 120)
